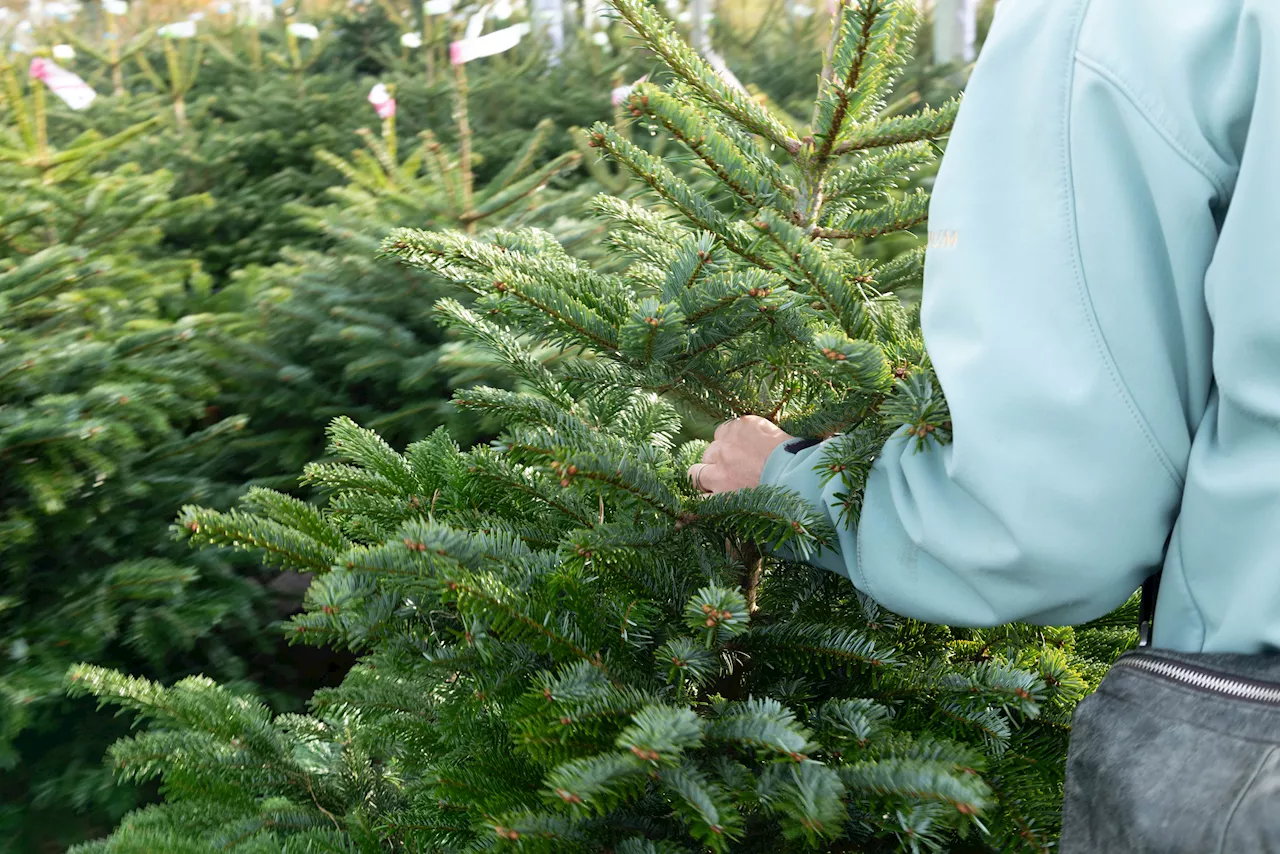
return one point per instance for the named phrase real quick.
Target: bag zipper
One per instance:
(1203, 679)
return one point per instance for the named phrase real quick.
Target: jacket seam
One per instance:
(1191, 596)
(1082, 285)
(1148, 114)
(1244, 792)
(856, 568)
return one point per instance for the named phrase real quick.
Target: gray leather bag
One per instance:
(1176, 754)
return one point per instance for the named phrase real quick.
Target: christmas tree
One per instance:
(564, 647)
(103, 432)
(255, 109)
(99, 579)
(341, 331)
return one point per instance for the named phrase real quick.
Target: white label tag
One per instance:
(304, 31)
(475, 24)
(411, 40)
(64, 51)
(115, 7)
(495, 42)
(75, 92)
(382, 101)
(179, 30)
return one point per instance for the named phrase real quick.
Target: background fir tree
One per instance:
(361, 34)
(341, 331)
(254, 127)
(567, 650)
(113, 53)
(173, 74)
(152, 606)
(103, 431)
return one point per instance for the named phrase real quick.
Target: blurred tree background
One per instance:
(191, 290)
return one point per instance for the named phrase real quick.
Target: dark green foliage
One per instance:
(253, 127)
(564, 647)
(344, 332)
(247, 138)
(236, 306)
(103, 432)
(361, 37)
(255, 154)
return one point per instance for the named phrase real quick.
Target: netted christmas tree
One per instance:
(565, 647)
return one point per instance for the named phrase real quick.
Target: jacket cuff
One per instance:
(791, 465)
(783, 458)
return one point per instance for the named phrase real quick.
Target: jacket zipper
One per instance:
(1204, 679)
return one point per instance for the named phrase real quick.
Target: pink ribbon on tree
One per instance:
(75, 92)
(620, 94)
(383, 103)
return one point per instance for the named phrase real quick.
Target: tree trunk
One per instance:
(955, 29)
(548, 16)
(699, 39)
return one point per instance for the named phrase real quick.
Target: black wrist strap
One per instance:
(795, 446)
(1147, 608)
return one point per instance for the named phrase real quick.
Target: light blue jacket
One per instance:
(1102, 304)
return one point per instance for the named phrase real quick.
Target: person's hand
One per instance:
(735, 460)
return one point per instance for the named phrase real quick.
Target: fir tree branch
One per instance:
(443, 170)
(312, 792)
(279, 543)
(930, 123)
(844, 303)
(519, 164)
(662, 38)
(716, 150)
(522, 189)
(732, 403)
(866, 224)
(664, 182)
(831, 111)
(527, 623)
(500, 473)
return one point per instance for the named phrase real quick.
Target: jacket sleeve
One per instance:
(1058, 216)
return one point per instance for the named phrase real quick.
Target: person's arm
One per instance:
(1065, 222)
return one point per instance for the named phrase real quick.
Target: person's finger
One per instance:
(713, 478)
(714, 453)
(723, 429)
(695, 477)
